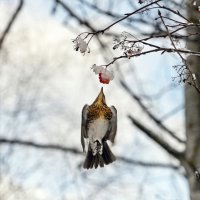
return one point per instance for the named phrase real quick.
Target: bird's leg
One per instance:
(99, 146)
(96, 146)
(93, 145)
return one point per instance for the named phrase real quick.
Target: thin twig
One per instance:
(11, 22)
(162, 50)
(126, 16)
(179, 53)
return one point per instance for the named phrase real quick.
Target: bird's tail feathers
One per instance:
(98, 159)
(107, 154)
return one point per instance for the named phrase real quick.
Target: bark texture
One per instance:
(192, 106)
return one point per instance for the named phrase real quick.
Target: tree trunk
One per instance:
(192, 105)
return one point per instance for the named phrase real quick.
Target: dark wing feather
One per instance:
(112, 130)
(84, 125)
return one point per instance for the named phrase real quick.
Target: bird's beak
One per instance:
(101, 94)
(100, 97)
(101, 90)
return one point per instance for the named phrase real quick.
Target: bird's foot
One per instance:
(99, 147)
(96, 147)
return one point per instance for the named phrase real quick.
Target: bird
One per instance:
(99, 124)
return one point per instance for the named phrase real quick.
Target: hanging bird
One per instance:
(99, 124)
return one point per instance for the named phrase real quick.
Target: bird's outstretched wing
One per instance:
(84, 125)
(112, 130)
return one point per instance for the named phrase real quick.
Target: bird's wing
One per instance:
(113, 125)
(84, 125)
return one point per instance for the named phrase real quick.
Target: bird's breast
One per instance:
(98, 128)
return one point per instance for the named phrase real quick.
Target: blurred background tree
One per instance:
(44, 84)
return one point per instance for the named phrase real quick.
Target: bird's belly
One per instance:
(97, 129)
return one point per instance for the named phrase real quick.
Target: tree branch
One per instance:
(11, 22)
(79, 19)
(57, 147)
(126, 16)
(145, 164)
(74, 15)
(193, 82)
(156, 138)
(39, 146)
(157, 121)
(161, 49)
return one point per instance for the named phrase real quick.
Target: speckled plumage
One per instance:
(96, 111)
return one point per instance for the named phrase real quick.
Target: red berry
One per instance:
(103, 80)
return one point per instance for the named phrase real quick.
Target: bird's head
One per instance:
(100, 98)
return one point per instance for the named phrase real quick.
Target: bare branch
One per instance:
(132, 48)
(73, 14)
(176, 12)
(79, 19)
(190, 75)
(160, 49)
(126, 16)
(145, 164)
(172, 112)
(57, 147)
(39, 146)
(157, 139)
(157, 121)
(11, 22)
